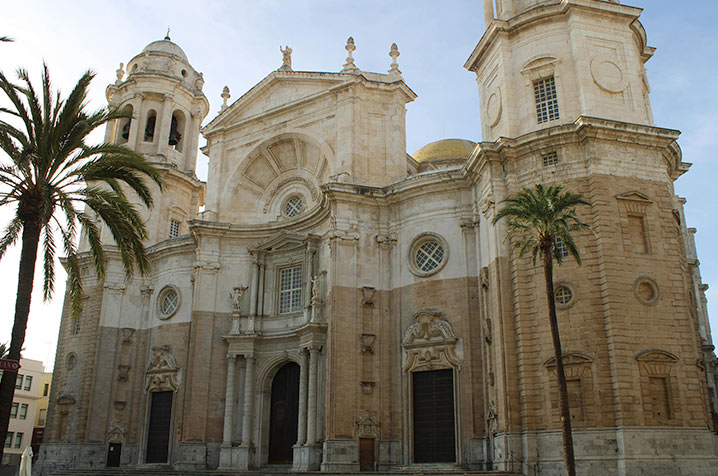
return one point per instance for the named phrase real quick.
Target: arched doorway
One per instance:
(284, 414)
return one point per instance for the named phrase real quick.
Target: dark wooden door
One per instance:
(158, 432)
(114, 451)
(284, 414)
(366, 454)
(434, 439)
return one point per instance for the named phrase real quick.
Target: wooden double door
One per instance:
(433, 416)
(284, 414)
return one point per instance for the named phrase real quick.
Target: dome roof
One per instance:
(165, 47)
(445, 149)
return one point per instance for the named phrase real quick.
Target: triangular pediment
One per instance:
(283, 241)
(279, 90)
(634, 196)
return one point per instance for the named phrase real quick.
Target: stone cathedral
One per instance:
(328, 302)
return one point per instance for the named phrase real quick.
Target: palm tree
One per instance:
(537, 219)
(5, 39)
(49, 172)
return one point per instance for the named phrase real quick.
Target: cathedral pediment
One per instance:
(278, 91)
(283, 241)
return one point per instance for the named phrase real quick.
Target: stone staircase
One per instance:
(423, 470)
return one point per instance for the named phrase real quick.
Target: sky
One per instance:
(236, 43)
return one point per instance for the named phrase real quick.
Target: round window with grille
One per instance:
(564, 294)
(293, 206)
(168, 302)
(428, 254)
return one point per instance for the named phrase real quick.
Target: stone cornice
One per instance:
(544, 11)
(580, 130)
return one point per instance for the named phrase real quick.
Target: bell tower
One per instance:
(544, 63)
(163, 94)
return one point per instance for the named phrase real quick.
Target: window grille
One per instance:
(561, 248)
(169, 302)
(563, 295)
(550, 159)
(174, 228)
(290, 290)
(429, 256)
(293, 206)
(546, 100)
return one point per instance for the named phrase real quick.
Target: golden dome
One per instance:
(445, 149)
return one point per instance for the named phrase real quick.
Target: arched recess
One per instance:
(177, 130)
(260, 184)
(431, 363)
(265, 380)
(150, 123)
(123, 131)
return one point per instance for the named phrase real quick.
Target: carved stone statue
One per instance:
(120, 72)
(236, 295)
(286, 58)
(316, 297)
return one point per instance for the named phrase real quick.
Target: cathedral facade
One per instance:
(327, 301)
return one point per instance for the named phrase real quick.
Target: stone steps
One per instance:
(413, 471)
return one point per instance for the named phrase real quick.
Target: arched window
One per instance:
(150, 126)
(177, 130)
(125, 123)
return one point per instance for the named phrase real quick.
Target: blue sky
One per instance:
(236, 43)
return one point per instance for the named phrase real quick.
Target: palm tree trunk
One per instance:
(560, 375)
(28, 256)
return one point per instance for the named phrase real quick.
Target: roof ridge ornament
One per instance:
(167, 36)
(225, 97)
(394, 71)
(349, 66)
(286, 58)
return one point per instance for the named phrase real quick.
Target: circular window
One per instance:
(71, 361)
(428, 254)
(646, 290)
(564, 295)
(293, 206)
(168, 302)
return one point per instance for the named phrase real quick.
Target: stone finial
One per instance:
(286, 58)
(394, 67)
(120, 72)
(167, 36)
(350, 67)
(225, 98)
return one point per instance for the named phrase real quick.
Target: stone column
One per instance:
(312, 397)
(253, 295)
(162, 130)
(260, 296)
(229, 401)
(248, 401)
(302, 424)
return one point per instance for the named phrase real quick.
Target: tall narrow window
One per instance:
(13, 410)
(46, 390)
(8, 440)
(546, 100)
(150, 126)
(18, 439)
(637, 231)
(18, 382)
(28, 382)
(660, 403)
(290, 290)
(125, 124)
(176, 130)
(42, 417)
(174, 228)
(561, 248)
(23, 411)
(76, 330)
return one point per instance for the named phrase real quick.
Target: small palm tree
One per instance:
(48, 174)
(536, 220)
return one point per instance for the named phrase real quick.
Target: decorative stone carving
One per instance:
(367, 426)
(286, 58)
(127, 333)
(494, 108)
(225, 97)
(394, 67)
(607, 75)
(123, 372)
(429, 343)
(367, 387)
(65, 400)
(316, 293)
(162, 370)
(116, 433)
(236, 296)
(120, 73)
